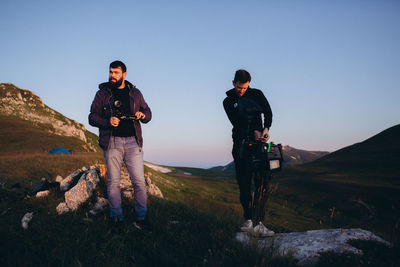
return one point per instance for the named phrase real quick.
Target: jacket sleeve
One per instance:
(96, 117)
(145, 109)
(230, 112)
(266, 110)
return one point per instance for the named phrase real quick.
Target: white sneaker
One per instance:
(262, 231)
(247, 226)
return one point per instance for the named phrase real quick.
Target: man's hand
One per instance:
(139, 115)
(114, 121)
(263, 137)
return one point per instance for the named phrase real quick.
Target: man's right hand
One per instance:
(114, 121)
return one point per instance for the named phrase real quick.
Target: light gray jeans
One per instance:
(125, 149)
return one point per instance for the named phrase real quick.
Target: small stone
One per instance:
(26, 219)
(43, 193)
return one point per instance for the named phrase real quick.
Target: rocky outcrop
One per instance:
(25, 105)
(81, 185)
(152, 189)
(306, 246)
(127, 190)
(81, 191)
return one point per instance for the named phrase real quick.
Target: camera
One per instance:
(268, 154)
(117, 112)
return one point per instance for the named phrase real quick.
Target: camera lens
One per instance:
(117, 104)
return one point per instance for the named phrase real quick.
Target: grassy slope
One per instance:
(19, 136)
(206, 207)
(360, 182)
(203, 235)
(207, 211)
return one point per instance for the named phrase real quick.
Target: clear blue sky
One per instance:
(330, 69)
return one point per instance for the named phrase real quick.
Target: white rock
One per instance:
(62, 208)
(26, 219)
(306, 246)
(43, 193)
(158, 168)
(82, 190)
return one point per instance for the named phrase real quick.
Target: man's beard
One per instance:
(116, 84)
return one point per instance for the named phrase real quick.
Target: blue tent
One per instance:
(59, 150)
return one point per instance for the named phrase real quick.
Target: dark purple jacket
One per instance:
(100, 112)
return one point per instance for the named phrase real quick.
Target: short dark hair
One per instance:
(242, 76)
(116, 64)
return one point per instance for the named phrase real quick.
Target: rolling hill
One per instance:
(378, 154)
(358, 185)
(28, 125)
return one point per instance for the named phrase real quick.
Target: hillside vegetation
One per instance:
(23, 115)
(357, 186)
(196, 222)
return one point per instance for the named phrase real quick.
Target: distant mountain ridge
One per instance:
(291, 156)
(26, 109)
(379, 153)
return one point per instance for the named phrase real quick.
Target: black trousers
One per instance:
(248, 171)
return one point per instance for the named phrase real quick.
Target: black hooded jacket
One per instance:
(245, 112)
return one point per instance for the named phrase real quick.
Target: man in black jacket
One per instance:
(244, 106)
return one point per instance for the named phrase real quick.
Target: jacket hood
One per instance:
(231, 93)
(106, 85)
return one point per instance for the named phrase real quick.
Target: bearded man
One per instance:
(117, 110)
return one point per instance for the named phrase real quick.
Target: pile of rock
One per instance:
(90, 184)
(79, 186)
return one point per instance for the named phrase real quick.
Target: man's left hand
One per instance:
(139, 115)
(265, 135)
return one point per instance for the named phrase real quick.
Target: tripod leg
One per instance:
(262, 192)
(266, 193)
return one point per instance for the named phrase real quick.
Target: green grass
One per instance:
(182, 236)
(206, 207)
(19, 136)
(26, 170)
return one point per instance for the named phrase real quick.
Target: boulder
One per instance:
(152, 189)
(66, 183)
(82, 190)
(306, 246)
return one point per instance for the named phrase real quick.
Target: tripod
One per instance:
(261, 175)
